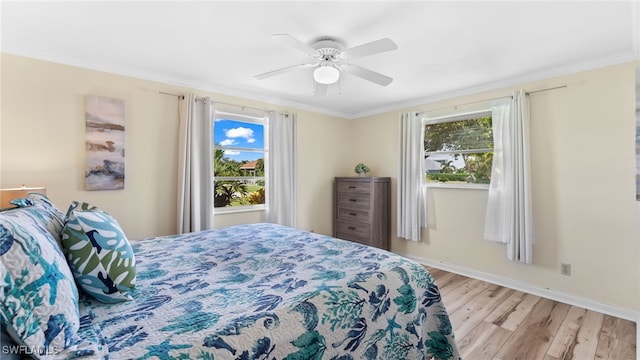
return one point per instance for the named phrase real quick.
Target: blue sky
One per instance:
(239, 134)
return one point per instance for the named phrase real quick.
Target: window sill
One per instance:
(458, 186)
(231, 210)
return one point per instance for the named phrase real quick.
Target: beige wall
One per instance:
(42, 143)
(582, 159)
(585, 213)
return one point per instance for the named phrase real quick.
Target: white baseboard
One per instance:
(589, 304)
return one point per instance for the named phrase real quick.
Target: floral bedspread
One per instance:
(265, 291)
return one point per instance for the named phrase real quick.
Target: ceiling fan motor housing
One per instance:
(328, 49)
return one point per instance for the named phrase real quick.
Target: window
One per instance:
(240, 149)
(459, 148)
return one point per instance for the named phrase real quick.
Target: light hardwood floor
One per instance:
(493, 322)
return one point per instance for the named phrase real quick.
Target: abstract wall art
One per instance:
(104, 143)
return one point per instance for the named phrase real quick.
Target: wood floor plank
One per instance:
(533, 337)
(446, 279)
(624, 333)
(467, 317)
(609, 345)
(438, 273)
(500, 314)
(514, 310)
(565, 341)
(623, 330)
(493, 322)
(462, 294)
(624, 351)
(483, 341)
(451, 283)
(587, 340)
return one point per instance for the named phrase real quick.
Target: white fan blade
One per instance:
(297, 44)
(371, 48)
(367, 74)
(283, 70)
(319, 89)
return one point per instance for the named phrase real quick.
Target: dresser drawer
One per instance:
(354, 187)
(351, 214)
(353, 230)
(354, 201)
(361, 210)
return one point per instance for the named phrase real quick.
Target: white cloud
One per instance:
(232, 152)
(250, 141)
(227, 142)
(240, 132)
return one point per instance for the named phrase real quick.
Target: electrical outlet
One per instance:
(565, 269)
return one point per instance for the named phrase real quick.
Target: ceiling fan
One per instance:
(330, 59)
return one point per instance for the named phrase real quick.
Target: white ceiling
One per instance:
(445, 48)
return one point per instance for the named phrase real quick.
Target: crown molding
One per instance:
(419, 102)
(164, 79)
(505, 83)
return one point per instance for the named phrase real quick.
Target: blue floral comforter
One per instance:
(265, 291)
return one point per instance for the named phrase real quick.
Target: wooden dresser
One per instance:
(362, 209)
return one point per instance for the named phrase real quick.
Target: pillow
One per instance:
(51, 218)
(20, 202)
(99, 253)
(38, 296)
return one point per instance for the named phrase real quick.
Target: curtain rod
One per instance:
(498, 98)
(181, 96)
(236, 105)
(171, 94)
(547, 89)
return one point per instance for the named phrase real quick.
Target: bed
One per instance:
(266, 291)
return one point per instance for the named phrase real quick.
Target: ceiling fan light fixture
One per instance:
(326, 74)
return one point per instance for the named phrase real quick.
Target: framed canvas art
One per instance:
(104, 143)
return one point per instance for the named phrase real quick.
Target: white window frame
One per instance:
(468, 115)
(248, 117)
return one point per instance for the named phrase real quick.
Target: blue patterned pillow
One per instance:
(51, 218)
(99, 253)
(20, 202)
(38, 295)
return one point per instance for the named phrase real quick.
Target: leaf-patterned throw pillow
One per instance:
(99, 253)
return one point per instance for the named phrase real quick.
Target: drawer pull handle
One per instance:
(353, 200)
(352, 187)
(353, 214)
(351, 228)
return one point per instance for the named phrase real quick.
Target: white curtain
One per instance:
(509, 211)
(195, 164)
(412, 195)
(281, 179)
